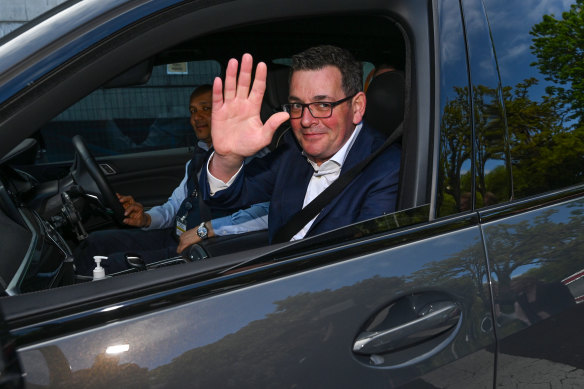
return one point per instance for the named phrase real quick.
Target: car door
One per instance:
(399, 300)
(534, 241)
(404, 307)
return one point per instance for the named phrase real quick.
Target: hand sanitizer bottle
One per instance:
(98, 272)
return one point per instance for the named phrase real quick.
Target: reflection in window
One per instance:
(543, 92)
(455, 123)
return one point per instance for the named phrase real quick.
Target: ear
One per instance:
(358, 104)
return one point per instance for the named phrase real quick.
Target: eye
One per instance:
(321, 106)
(296, 106)
(192, 110)
(206, 109)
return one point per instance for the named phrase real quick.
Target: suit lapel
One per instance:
(294, 194)
(360, 150)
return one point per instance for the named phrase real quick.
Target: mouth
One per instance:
(312, 135)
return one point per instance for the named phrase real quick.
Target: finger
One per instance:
(217, 94)
(132, 208)
(180, 247)
(244, 79)
(230, 80)
(130, 222)
(185, 241)
(259, 85)
(124, 199)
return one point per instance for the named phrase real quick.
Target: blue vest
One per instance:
(189, 212)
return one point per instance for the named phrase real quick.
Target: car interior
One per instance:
(55, 200)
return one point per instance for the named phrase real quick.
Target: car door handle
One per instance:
(434, 318)
(107, 169)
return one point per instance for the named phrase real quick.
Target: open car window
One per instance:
(152, 114)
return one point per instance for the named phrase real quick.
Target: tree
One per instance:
(558, 45)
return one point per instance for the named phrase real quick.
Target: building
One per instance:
(14, 13)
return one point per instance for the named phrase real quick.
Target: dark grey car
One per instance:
(476, 280)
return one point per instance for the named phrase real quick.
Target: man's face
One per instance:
(321, 138)
(200, 108)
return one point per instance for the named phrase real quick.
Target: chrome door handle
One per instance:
(434, 319)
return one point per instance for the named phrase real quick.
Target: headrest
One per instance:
(385, 102)
(277, 90)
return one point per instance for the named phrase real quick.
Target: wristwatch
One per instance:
(202, 231)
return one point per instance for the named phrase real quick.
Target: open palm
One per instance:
(236, 127)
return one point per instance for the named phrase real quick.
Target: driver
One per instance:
(168, 229)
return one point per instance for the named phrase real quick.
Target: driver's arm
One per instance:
(162, 216)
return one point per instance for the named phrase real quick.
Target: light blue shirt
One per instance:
(254, 218)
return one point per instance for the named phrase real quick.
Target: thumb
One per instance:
(276, 121)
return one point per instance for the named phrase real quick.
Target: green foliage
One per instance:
(558, 45)
(545, 153)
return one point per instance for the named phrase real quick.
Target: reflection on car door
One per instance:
(536, 263)
(301, 328)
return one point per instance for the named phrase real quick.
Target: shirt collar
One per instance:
(335, 163)
(202, 144)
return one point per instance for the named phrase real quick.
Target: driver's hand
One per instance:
(134, 212)
(187, 239)
(190, 237)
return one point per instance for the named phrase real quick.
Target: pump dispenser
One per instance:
(98, 272)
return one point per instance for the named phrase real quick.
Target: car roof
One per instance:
(53, 37)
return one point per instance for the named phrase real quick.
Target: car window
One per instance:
(455, 174)
(542, 93)
(154, 115)
(121, 120)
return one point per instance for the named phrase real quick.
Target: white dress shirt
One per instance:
(324, 175)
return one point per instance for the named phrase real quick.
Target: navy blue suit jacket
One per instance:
(282, 178)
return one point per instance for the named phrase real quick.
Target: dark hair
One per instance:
(200, 90)
(319, 57)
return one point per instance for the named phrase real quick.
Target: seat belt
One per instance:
(306, 214)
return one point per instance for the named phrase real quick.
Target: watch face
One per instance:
(202, 231)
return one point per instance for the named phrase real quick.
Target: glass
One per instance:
(318, 109)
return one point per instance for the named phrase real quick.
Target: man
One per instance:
(179, 216)
(325, 111)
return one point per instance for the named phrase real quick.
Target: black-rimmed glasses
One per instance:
(318, 109)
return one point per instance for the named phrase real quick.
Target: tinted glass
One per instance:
(540, 55)
(151, 116)
(492, 170)
(455, 122)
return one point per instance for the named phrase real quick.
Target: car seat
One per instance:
(385, 102)
(277, 90)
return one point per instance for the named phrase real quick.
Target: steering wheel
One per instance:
(90, 177)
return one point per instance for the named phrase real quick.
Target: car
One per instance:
(474, 281)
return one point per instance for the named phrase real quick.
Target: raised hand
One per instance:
(133, 212)
(236, 127)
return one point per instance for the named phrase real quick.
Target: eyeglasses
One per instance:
(318, 109)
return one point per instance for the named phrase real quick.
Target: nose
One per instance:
(307, 120)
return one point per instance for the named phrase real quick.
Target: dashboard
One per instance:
(33, 252)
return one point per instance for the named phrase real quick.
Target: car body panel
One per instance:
(533, 255)
(312, 316)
